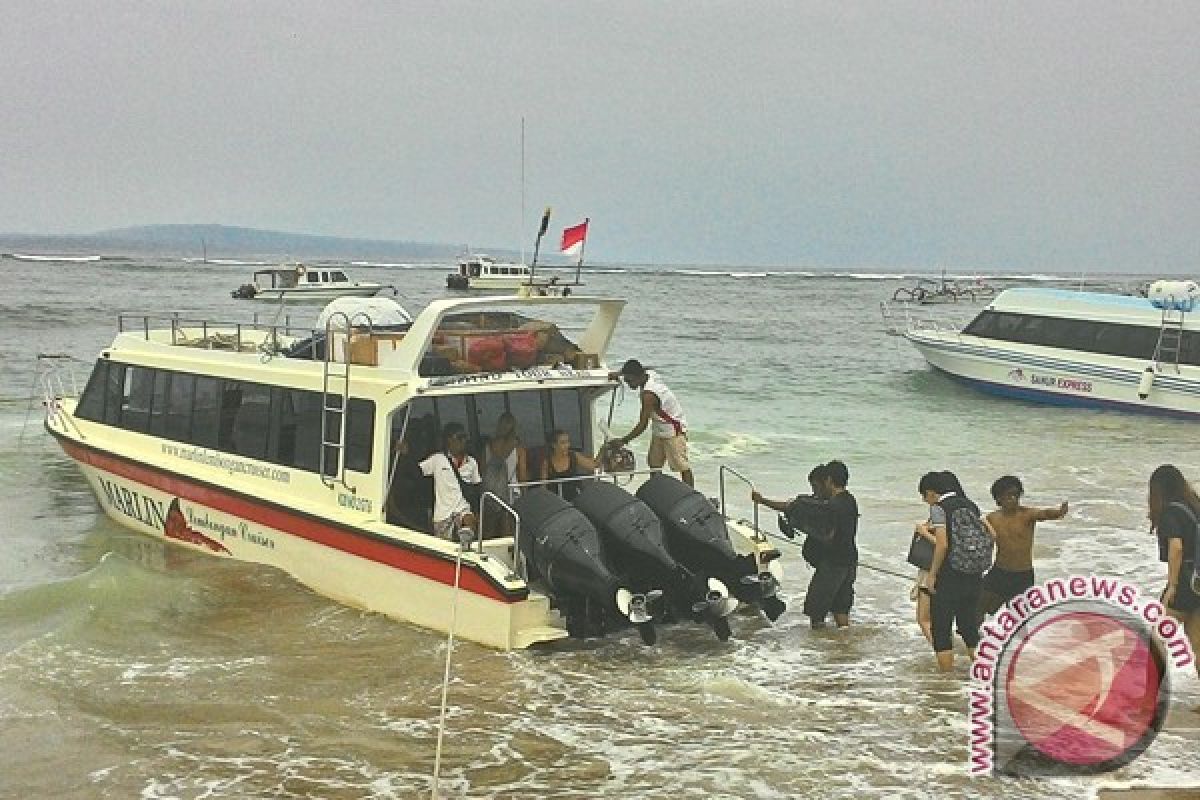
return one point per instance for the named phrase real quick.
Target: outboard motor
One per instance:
(564, 547)
(633, 535)
(698, 538)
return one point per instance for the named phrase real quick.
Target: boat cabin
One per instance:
(296, 406)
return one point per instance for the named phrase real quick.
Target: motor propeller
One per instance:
(717, 601)
(637, 608)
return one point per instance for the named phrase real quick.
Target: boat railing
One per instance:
(218, 334)
(519, 569)
(901, 319)
(55, 371)
(759, 536)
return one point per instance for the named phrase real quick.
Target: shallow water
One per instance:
(133, 668)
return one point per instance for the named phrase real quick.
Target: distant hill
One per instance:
(225, 241)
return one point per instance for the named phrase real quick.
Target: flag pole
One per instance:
(582, 247)
(521, 227)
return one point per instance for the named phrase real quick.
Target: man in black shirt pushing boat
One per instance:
(834, 555)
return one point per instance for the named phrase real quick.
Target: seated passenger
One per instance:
(410, 495)
(505, 463)
(563, 462)
(456, 483)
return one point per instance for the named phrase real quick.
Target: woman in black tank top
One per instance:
(563, 462)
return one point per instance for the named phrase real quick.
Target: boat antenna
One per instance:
(521, 226)
(465, 536)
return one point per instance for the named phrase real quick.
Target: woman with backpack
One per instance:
(1174, 511)
(962, 553)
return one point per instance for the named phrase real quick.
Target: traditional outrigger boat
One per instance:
(282, 446)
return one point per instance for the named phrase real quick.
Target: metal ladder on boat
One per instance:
(1170, 340)
(335, 397)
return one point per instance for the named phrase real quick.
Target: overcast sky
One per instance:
(1039, 135)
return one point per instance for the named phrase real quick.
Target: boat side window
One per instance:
(158, 402)
(299, 443)
(91, 402)
(206, 412)
(312, 277)
(360, 434)
(337, 276)
(135, 405)
(251, 421)
(1189, 352)
(1104, 338)
(1031, 330)
(995, 325)
(179, 407)
(114, 393)
(231, 401)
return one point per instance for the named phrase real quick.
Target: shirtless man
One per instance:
(1012, 573)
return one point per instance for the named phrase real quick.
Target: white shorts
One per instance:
(672, 451)
(448, 528)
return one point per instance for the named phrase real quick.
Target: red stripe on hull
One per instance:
(347, 540)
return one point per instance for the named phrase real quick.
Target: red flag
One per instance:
(572, 240)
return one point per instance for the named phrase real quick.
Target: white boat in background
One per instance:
(303, 283)
(482, 272)
(1071, 348)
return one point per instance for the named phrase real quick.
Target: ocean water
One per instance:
(130, 668)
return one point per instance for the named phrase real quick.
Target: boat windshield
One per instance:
(474, 342)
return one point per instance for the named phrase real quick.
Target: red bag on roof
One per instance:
(522, 349)
(487, 353)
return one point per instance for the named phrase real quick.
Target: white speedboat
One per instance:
(486, 273)
(303, 283)
(296, 449)
(1072, 348)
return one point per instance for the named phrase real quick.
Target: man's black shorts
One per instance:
(830, 590)
(1006, 583)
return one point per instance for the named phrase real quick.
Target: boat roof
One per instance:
(295, 267)
(1096, 306)
(168, 340)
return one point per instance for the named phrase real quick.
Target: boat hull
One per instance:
(351, 565)
(317, 295)
(493, 284)
(1060, 377)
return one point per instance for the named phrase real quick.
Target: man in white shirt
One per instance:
(452, 470)
(663, 413)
